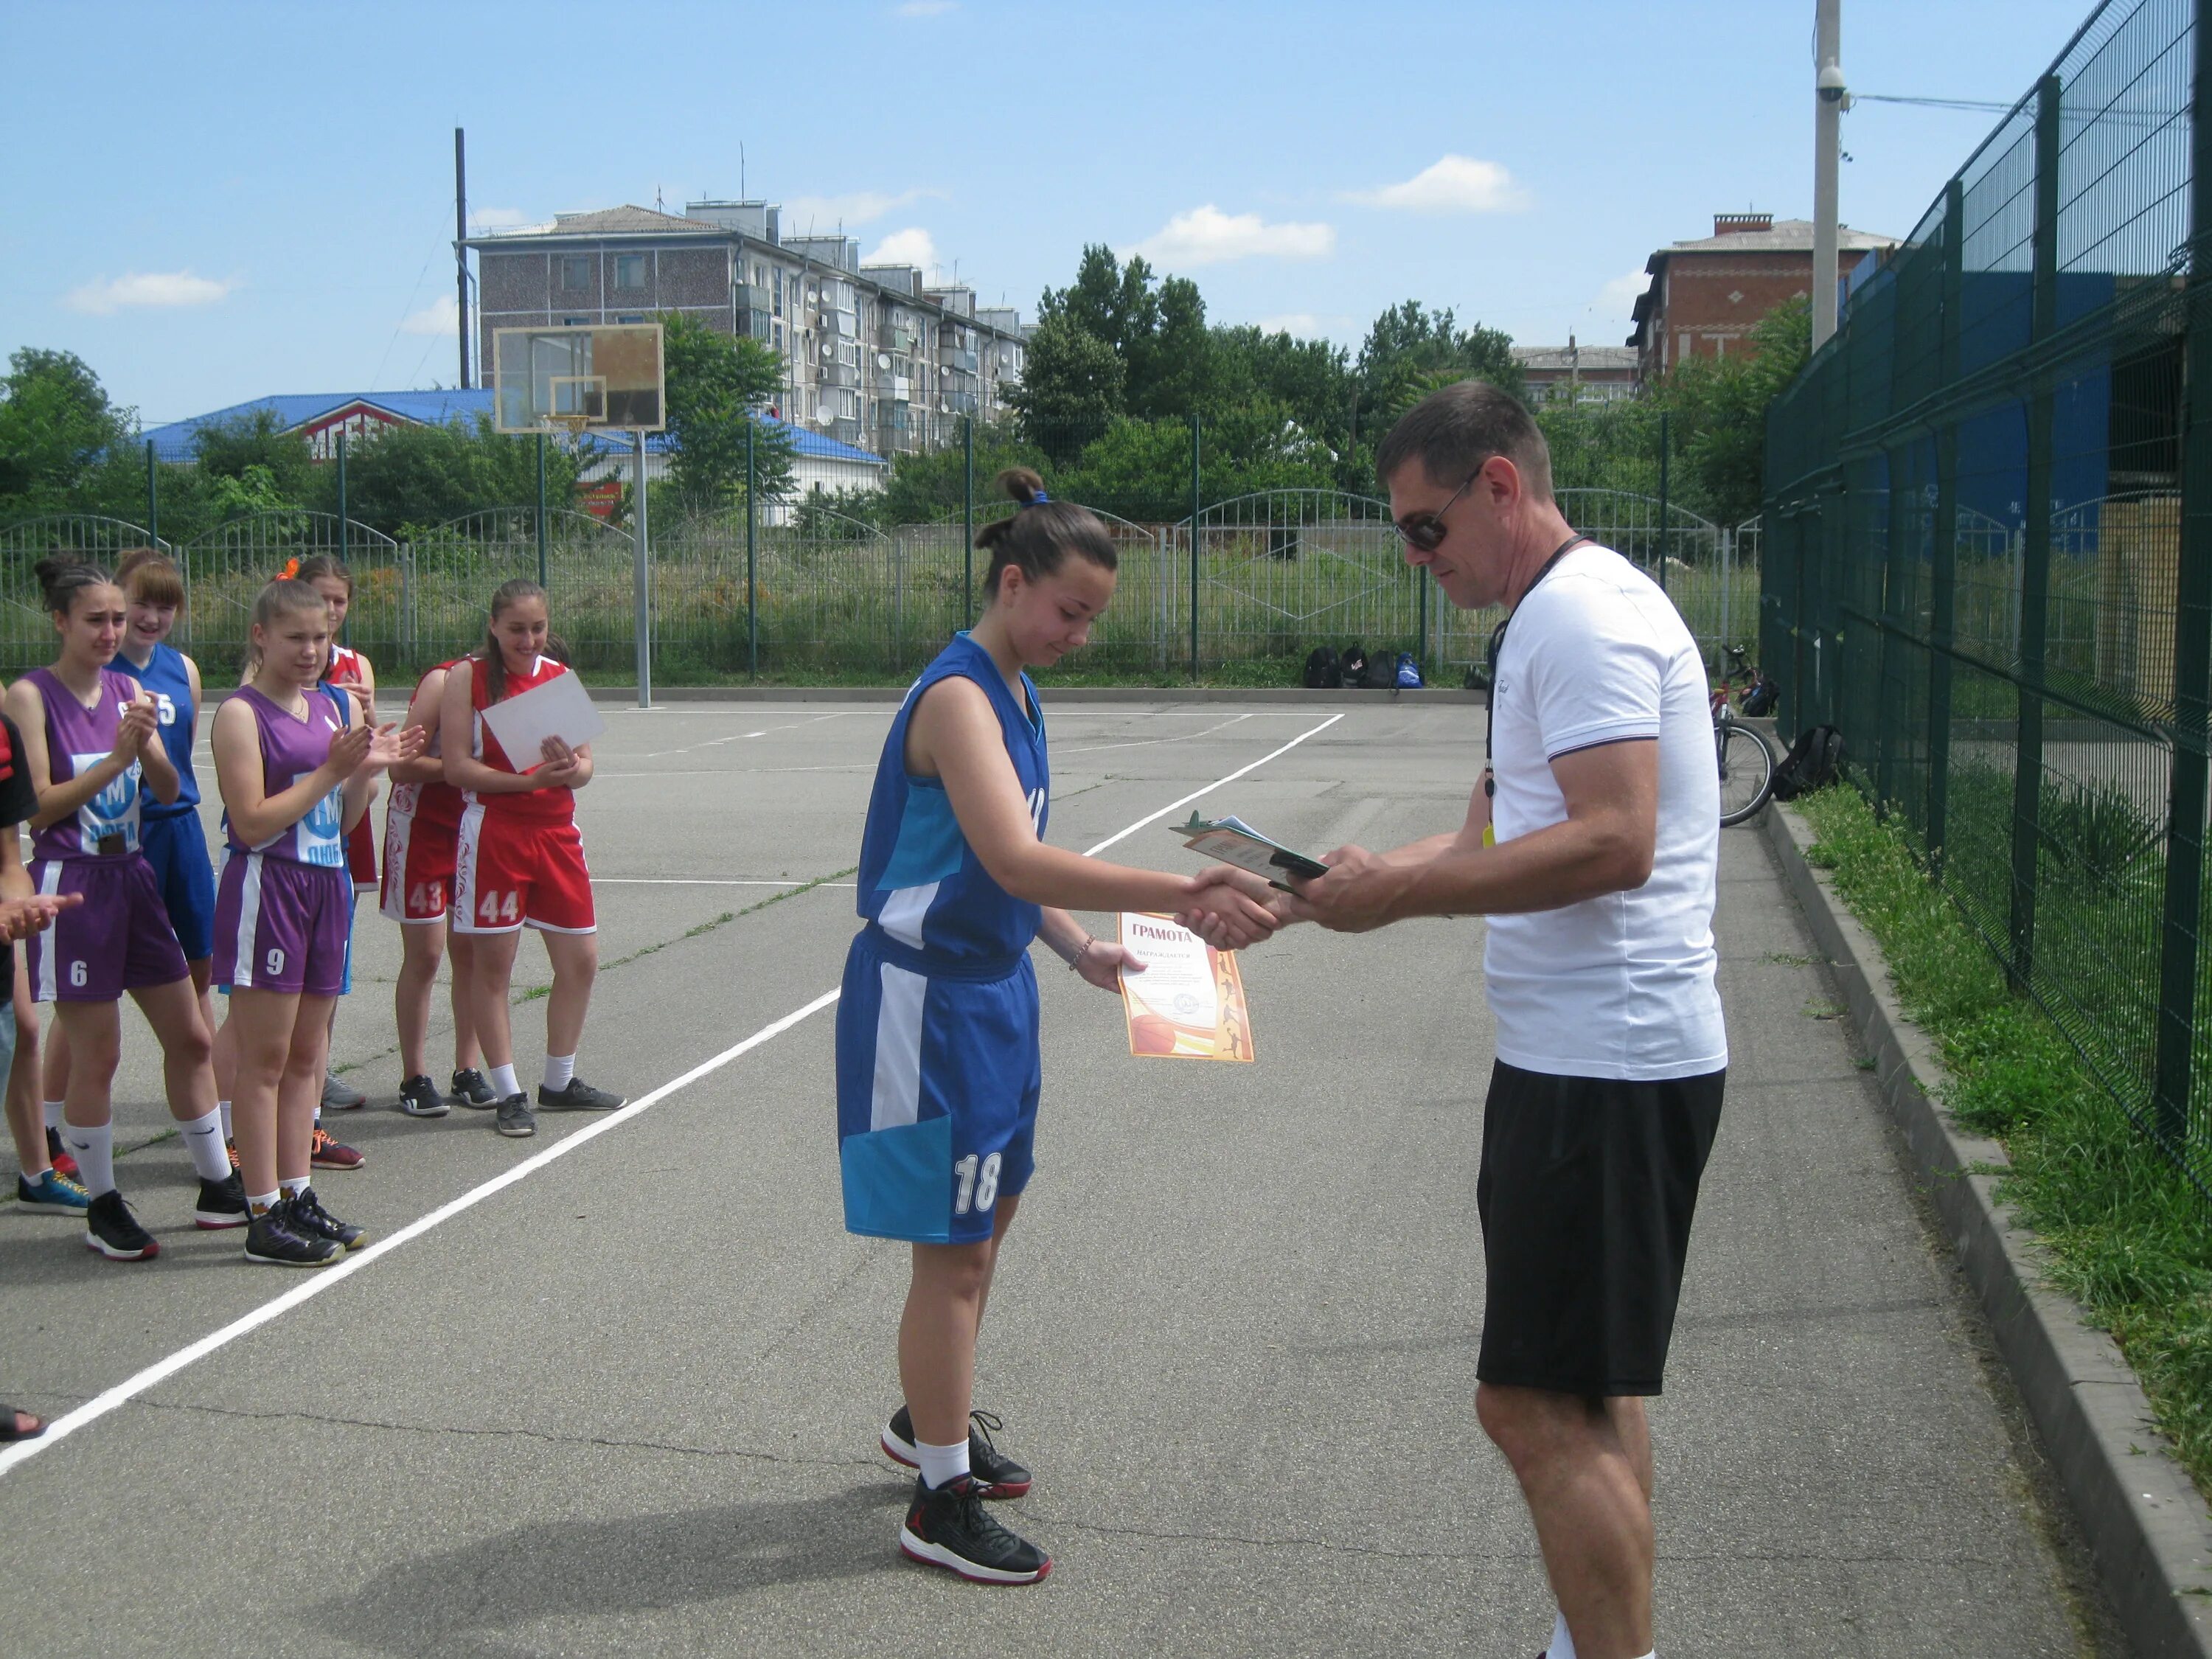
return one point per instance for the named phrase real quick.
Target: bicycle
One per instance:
(1745, 757)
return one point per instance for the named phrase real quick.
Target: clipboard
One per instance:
(560, 708)
(1236, 842)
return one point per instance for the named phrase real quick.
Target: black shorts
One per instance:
(1586, 1193)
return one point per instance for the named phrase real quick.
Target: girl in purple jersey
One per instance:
(297, 769)
(90, 736)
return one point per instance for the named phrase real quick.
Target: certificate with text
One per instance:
(1188, 1003)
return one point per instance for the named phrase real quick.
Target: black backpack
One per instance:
(1379, 674)
(1477, 677)
(1324, 668)
(1814, 762)
(1351, 663)
(1761, 696)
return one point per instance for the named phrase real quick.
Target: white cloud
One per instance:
(927, 7)
(1457, 183)
(1205, 236)
(806, 215)
(498, 218)
(1616, 299)
(139, 288)
(1303, 324)
(912, 246)
(442, 316)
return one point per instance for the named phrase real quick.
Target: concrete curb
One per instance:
(1326, 702)
(2146, 1525)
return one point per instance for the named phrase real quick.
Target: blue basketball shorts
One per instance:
(177, 848)
(938, 1079)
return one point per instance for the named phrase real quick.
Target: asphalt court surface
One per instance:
(628, 1403)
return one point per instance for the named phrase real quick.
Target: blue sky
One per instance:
(210, 202)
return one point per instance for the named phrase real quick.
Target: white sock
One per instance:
(53, 1110)
(294, 1185)
(318, 1117)
(223, 1106)
(262, 1203)
(504, 1081)
(94, 1152)
(941, 1464)
(559, 1068)
(203, 1140)
(1562, 1645)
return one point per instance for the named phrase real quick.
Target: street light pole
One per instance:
(1827, 117)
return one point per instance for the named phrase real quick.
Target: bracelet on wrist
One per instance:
(1074, 961)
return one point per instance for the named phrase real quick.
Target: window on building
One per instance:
(630, 270)
(574, 322)
(575, 272)
(633, 318)
(775, 338)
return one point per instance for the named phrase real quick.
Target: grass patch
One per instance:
(706, 926)
(2126, 1231)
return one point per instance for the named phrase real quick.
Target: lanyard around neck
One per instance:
(1497, 645)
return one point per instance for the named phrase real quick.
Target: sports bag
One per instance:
(1380, 674)
(1409, 672)
(1324, 668)
(1351, 663)
(1761, 696)
(1814, 762)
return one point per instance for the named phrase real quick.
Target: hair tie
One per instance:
(290, 571)
(1039, 499)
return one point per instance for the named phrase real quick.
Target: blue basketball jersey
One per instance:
(166, 677)
(921, 883)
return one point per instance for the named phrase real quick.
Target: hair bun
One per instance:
(1021, 484)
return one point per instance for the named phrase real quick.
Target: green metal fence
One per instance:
(1987, 536)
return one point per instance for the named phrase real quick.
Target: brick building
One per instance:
(874, 356)
(1706, 295)
(1577, 373)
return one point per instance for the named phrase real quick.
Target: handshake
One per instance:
(1230, 909)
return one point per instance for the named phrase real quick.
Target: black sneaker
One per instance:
(472, 1088)
(998, 1473)
(273, 1238)
(948, 1527)
(223, 1204)
(111, 1229)
(578, 1097)
(306, 1216)
(419, 1098)
(515, 1117)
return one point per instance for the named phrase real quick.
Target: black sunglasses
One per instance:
(1427, 531)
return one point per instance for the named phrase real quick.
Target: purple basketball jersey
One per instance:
(77, 740)
(291, 748)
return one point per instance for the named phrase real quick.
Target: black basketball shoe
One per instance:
(998, 1473)
(948, 1527)
(306, 1217)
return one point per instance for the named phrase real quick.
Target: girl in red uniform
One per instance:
(519, 861)
(328, 576)
(421, 829)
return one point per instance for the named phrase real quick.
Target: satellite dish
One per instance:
(883, 360)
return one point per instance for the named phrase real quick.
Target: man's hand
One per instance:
(1355, 896)
(1226, 912)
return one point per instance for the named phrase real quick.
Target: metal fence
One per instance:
(1988, 560)
(817, 592)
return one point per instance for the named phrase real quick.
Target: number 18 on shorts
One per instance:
(937, 1097)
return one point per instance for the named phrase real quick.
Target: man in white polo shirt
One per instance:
(1591, 845)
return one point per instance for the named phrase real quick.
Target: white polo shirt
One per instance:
(1622, 986)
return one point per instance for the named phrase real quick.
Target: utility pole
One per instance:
(461, 248)
(1828, 101)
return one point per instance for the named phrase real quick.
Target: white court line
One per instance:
(324, 1278)
(1144, 743)
(736, 737)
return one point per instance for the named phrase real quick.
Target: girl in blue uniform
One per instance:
(938, 1067)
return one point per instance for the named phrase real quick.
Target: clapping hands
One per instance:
(21, 918)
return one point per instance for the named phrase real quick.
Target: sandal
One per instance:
(20, 1425)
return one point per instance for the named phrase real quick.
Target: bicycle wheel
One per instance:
(1747, 763)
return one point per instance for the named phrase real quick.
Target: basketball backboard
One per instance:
(594, 377)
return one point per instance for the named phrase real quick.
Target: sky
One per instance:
(214, 201)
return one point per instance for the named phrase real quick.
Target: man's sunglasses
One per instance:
(1427, 531)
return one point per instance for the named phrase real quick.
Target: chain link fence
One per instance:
(1989, 557)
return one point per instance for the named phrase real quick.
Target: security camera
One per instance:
(1830, 83)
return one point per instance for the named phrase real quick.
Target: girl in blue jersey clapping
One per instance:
(938, 1058)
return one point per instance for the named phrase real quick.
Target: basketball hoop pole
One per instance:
(644, 586)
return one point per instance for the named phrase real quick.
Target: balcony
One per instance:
(836, 373)
(955, 357)
(752, 323)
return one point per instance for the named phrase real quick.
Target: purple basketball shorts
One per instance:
(119, 939)
(282, 925)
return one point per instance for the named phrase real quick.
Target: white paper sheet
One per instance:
(559, 708)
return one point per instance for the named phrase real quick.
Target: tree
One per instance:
(56, 422)
(1072, 387)
(410, 478)
(256, 442)
(924, 488)
(717, 386)
(1718, 406)
(1410, 353)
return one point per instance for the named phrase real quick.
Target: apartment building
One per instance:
(1577, 373)
(874, 356)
